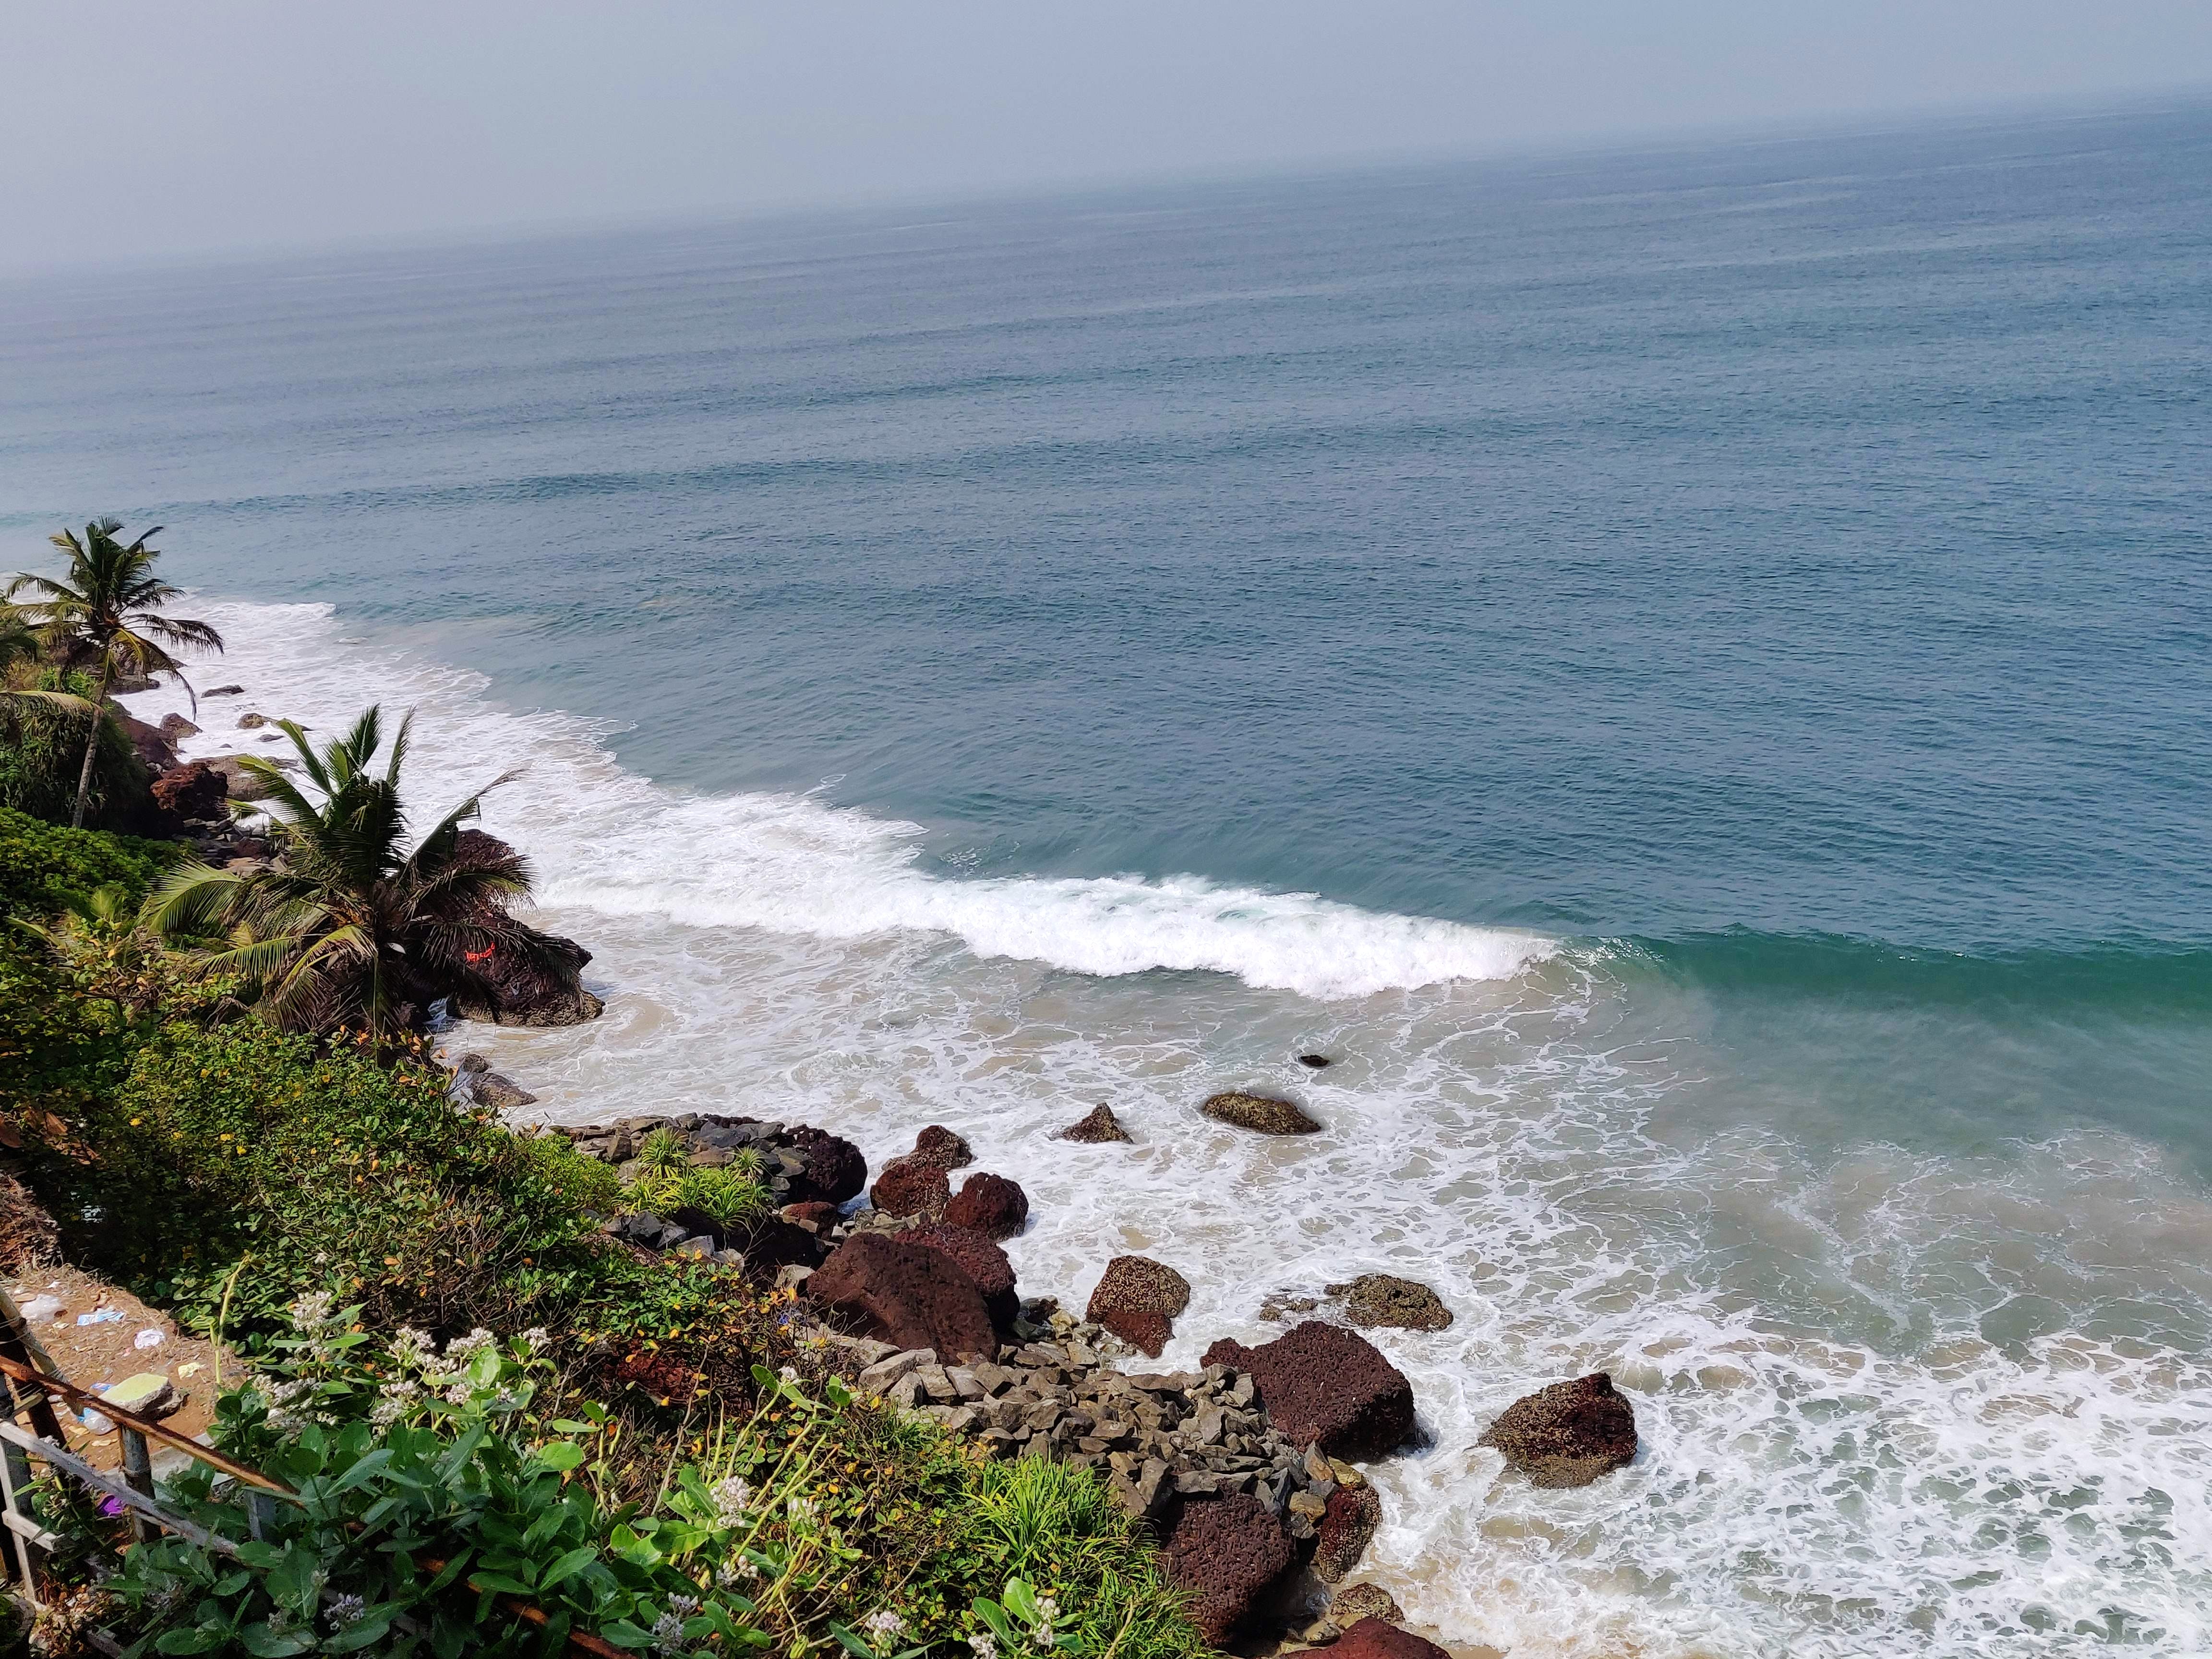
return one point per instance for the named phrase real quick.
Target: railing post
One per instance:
(260, 1510)
(138, 1475)
(15, 1486)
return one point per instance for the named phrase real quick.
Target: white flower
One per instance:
(462, 1348)
(347, 1610)
(732, 1497)
(884, 1623)
(412, 1348)
(668, 1631)
(801, 1509)
(983, 1645)
(394, 1401)
(311, 1312)
(536, 1338)
(739, 1571)
(789, 1373)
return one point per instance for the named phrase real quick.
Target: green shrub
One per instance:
(590, 1181)
(41, 861)
(41, 749)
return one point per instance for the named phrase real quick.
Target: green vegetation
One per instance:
(675, 1441)
(354, 929)
(104, 618)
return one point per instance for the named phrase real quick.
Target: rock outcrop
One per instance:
(994, 1205)
(1382, 1299)
(536, 987)
(1137, 1300)
(940, 1148)
(906, 1295)
(1349, 1517)
(192, 793)
(1378, 1638)
(1227, 1552)
(798, 1163)
(1098, 1129)
(1263, 1113)
(982, 1260)
(907, 1189)
(1325, 1386)
(1567, 1435)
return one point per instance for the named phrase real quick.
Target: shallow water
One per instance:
(1685, 672)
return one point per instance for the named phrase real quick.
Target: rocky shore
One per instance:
(1246, 1470)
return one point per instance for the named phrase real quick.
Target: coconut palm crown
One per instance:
(105, 618)
(350, 929)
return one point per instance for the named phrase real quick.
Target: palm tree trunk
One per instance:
(92, 741)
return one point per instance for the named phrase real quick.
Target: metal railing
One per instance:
(31, 1391)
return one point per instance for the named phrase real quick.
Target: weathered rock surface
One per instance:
(1382, 1299)
(980, 1260)
(1349, 1517)
(939, 1147)
(1569, 1434)
(1098, 1129)
(251, 722)
(1324, 1385)
(193, 793)
(994, 1205)
(152, 744)
(500, 1094)
(1227, 1552)
(1356, 1602)
(176, 728)
(511, 989)
(226, 691)
(1264, 1113)
(1378, 1638)
(1137, 1300)
(903, 1293)
(768, 1243)
(906, 1187)
(831, 1168)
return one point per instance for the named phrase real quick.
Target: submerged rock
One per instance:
(1382, 1299)
(1567, 1435)
(1314, 1062)
(1263, 1113)
(991, 1205)
(1100, 1126)
(1325, 1386)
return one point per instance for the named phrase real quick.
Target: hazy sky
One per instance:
(158, 129)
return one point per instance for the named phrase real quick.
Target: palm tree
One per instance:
(349, 928)
(105, 615)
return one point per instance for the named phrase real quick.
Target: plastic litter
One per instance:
(191, 1368)
(147, 1339)
(102, 1316)
(40, 1309)
(98, 1422)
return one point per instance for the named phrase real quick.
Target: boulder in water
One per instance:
(1378, 1638)
(1374, 1299)
(1348, 1523)
(939, 1147)
(1138, 1299)
(1567, 1435)
(1098, 1129)
(906, 1187)
(1263, 1113)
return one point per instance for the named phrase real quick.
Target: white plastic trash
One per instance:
(40, 1309)
(147, 1339)
(98, 1422)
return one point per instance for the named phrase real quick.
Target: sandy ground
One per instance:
(106, 1351)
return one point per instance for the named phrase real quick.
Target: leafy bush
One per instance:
(41, 862)
(41, 749)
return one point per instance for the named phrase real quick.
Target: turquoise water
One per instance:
(1686, 669)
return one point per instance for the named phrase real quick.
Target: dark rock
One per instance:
(1138, 1299)
(152, 744)
(470, 1064)
(1374, 1299)
(252, 722)
(1148, 1332)
(1377, 1639)
(900, 1292)
(176, 728)
(939, 1147)
(1269, 1115)
(242, 784)
(1226, 1552)
(770, 1244)
(1316, 1061)
(510, 989)
(1348, 1523)
(980, 1260)
(1566, 1435)
(226, 691)
(127, 684)
(1324, 1385)
(499, 1093)
(1100, 1126)
(816, 1216)
(192, 793)
(906, 1187)
(832, 1169)
(991, 1205)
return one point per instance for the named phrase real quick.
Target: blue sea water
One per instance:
(1686, 669)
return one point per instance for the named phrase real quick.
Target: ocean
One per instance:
(1685, 671)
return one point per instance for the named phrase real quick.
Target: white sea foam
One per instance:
(1836, 1461)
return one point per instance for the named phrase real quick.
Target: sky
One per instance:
(137, 130)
